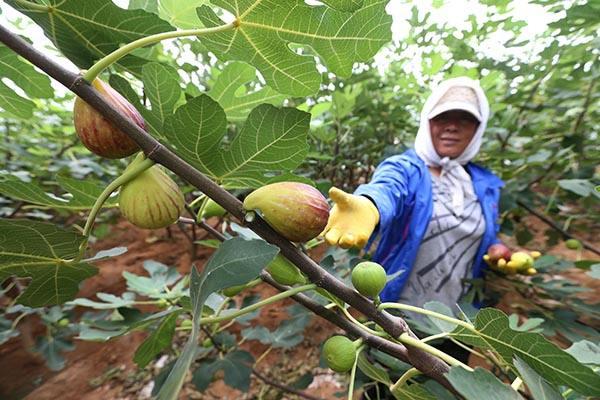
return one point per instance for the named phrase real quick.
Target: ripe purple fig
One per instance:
(151, 200)
(98, 134)
(295, 210)
(498, 251)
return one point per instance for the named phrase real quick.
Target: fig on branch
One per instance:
(212, 209)
(369, 278)
(98, 134)
(573, 244)
(339, 353)
(284, 272)
(233, 290)
(297, 211)
(151, 200)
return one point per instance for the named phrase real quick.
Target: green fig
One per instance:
(212, 209)
(573, 244)
(233, 290)
(98, 134)
(297, 211)
(151, 200)
(284, 272)
(339, 353)
(369, 278)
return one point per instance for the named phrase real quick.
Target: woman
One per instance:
(433, 212)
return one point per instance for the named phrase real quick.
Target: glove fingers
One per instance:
(332, 236)
(347, 240)
(338, 196)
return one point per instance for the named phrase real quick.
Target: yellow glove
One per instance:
(351, 220)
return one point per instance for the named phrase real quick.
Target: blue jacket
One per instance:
(401, 190)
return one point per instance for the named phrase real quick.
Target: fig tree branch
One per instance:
(154, 150)
(554, 225)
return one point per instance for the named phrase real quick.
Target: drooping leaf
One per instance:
(413, 391)
(272, 140)
(236, 366)
(86, 31)
(81, 193)
(109, 301)
(373, 371)
(153, 286)
(547, 359)
(582, 187)
(235, 262)
(51, 348)
(159, 339)
(287, 335)
(472, 384)
(230, 92)
(265, 29)
(539, 388)
(37, 250)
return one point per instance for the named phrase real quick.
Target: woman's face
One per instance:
(452, 131)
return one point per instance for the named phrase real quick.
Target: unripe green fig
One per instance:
(63, 322)
(284, 272)
(295, 210)
(369, 278)
(573, 244)
(233, 290)
(98, 134)
(187, 323)
(151, 200)
(339, 353)
(212, 209)
(206, 343)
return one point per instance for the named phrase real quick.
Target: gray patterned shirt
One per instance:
(446, 254)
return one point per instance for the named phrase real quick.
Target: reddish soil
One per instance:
(106, 370)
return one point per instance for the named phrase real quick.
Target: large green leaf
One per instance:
(159, 339)
(267, 27)
(344, 5)
(372, 371)
(473, 384)
(82, 193)
(547, 359)
(85, 31)
(539, 388)
(230, 92)
(413, 391)
(272, 140)
(235, 262)
(36, 250)
(22, 74)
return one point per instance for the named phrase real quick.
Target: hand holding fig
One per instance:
(352, 220)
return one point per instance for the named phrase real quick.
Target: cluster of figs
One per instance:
(152, 200)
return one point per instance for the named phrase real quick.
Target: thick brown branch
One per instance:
(161, 154)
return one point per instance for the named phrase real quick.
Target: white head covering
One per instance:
(453, 176)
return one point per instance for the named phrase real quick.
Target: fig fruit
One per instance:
(295, 210)
(233, 290)
(339, 353)
(369, 278)
(212, 209)
(98, 134)
(573, 244)
(520, 261)
(498, 251)
(284, 272)
(151, 200)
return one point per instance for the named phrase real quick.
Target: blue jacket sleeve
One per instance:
(388, 189)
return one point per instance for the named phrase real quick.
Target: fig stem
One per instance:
(33, 6)
(434, 314)
(353, 374)
(407, 339)
(126, 176)
(360, 324)
(113, 57)
(404, 378)
(250, 308)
